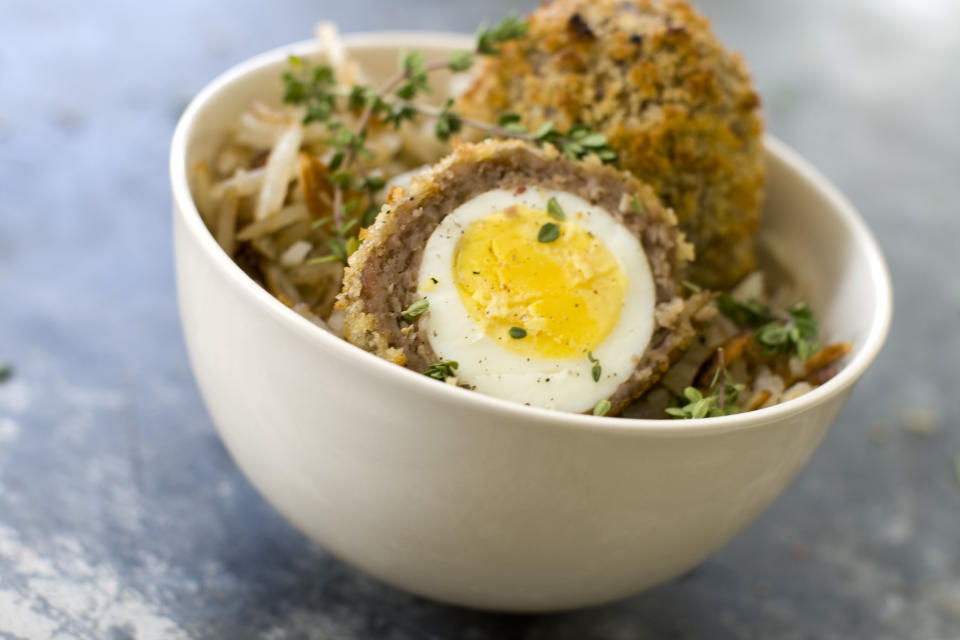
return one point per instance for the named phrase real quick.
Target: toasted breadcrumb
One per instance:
(678, 107)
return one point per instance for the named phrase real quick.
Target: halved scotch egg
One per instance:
(547, 281)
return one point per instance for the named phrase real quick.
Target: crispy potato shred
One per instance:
(266, 196)
(728, 353)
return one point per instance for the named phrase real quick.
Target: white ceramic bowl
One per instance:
(473, 500)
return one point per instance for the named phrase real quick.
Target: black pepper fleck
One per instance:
(579, 27)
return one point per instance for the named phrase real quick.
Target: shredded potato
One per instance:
(295, 253)
(242, 182)
(280, 169)
(283, 218)
(335, 54)
(203, 193)
(227, 222)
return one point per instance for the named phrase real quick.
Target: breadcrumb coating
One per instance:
(678, 107)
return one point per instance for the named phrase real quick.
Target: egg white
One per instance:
(561, 384)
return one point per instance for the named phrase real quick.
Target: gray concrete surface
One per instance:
(122, 516)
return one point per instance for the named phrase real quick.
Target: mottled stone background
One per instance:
(121, 514)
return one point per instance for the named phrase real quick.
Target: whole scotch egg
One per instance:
(549, 282)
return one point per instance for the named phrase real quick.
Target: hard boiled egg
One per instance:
(539, 296)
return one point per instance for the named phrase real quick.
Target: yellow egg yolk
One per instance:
(565, 295)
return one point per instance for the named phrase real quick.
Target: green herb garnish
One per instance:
(555, 210)
(804, 331)
(596, 370)
(415, 309)
(351, 245)
(510, 124)
(460, 60)
(415, 76)
(701, 406)
(6, 372)
(721, 400)
(594, 141)
(510, 28)
(442, 370)
(369, 216)
(448, 122)
(751, 313)
(635, 206)
(602, 407)
(772, 335)
(796, 333)
(315, 89)
(577, 143)
(697, 405)
(517, 333)
(548, 232)
(543, 130)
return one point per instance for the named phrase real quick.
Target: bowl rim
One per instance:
(185, 208)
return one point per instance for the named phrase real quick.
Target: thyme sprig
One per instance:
(719, 400)
(354, 191)
(510, 28)
(442, 370)
(779, 333)
(577, 143)
(602, 407)
(555, 211)
(548, 232)
(517, 333)
(596, 370)
(416, 309)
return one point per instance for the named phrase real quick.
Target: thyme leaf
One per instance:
(602, 407)
(596, 370)
(312, 87)
(750, 313)
(442, 370)
(460, 60)
(721, 399)
(555, 210)
(548, 232)
(448, 122)
(510, 28)
(416, 308)
(691, 286)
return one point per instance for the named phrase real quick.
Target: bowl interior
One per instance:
(812, 230)
(808, 225)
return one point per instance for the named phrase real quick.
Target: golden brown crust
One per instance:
(679, 108)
